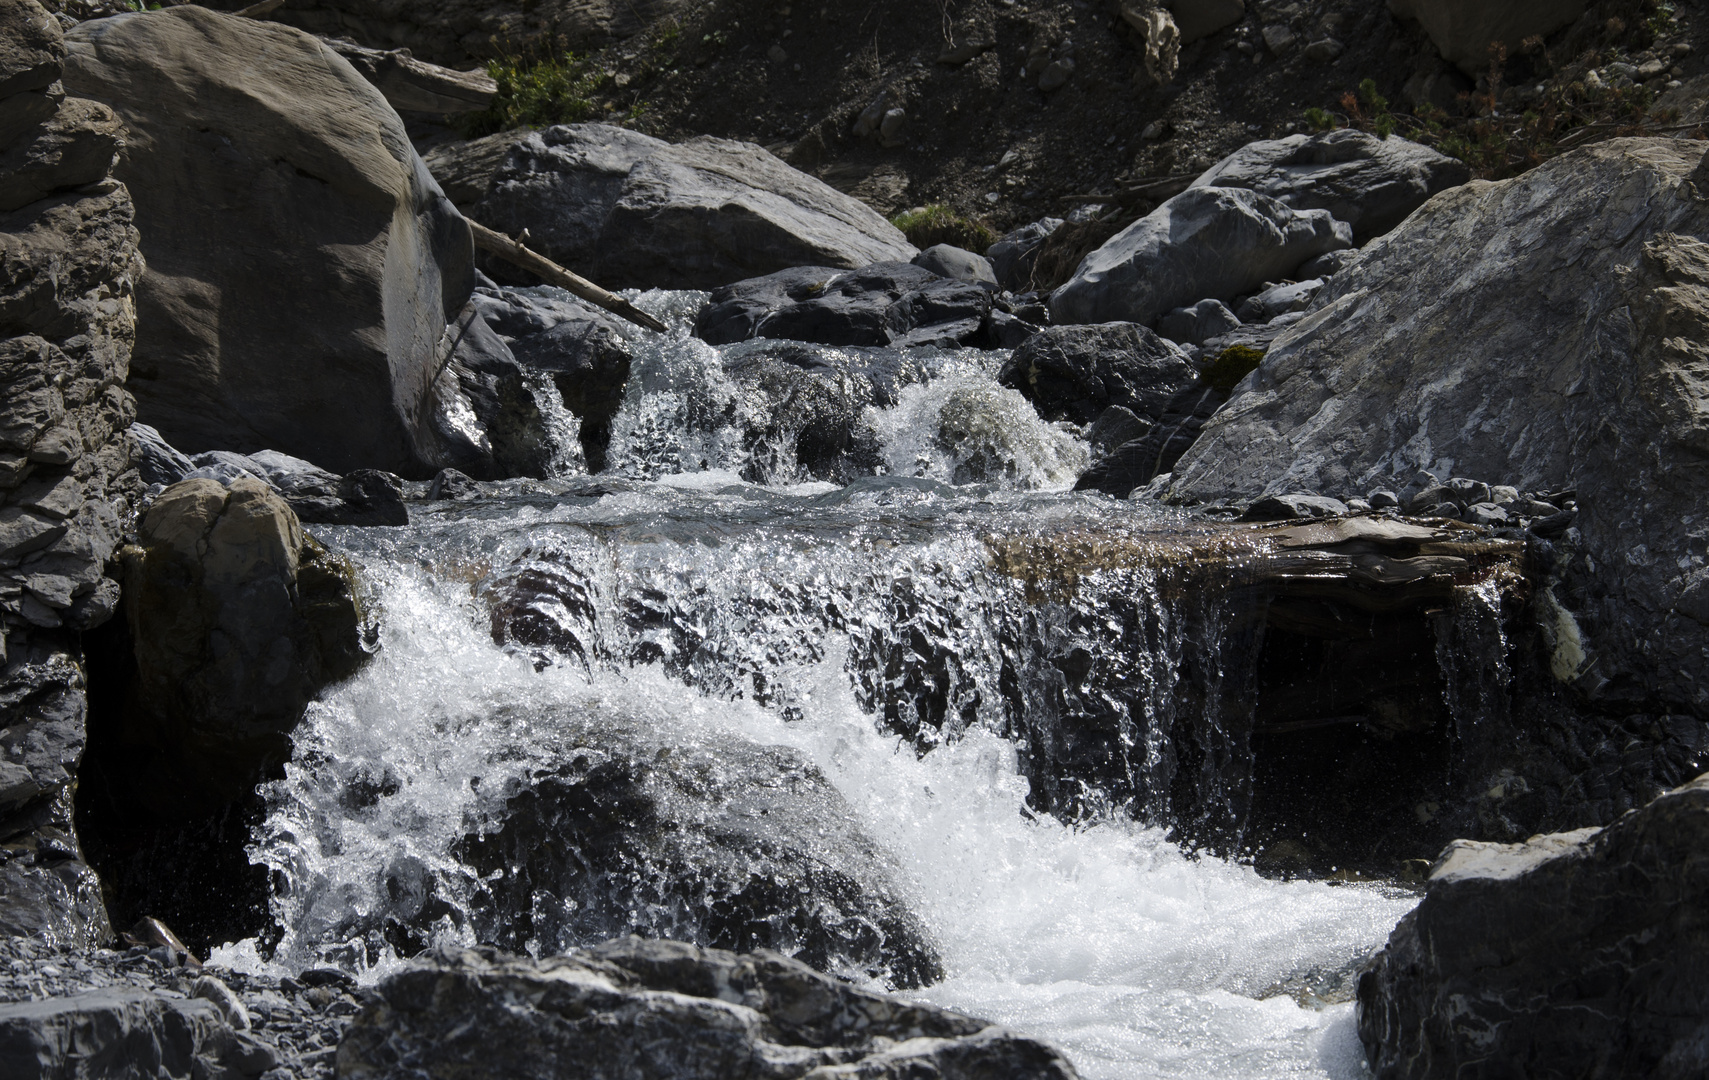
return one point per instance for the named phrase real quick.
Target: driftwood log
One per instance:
(514, 251)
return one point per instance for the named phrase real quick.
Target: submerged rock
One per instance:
(717, 841)
(1579, 954)
(627, 209)
(1205, 242)
(661, 1009)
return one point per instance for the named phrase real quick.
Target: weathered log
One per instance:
(513, 251)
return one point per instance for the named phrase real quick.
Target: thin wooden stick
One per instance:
(513, 251)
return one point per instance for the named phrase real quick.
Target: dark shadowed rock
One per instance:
(626, 209)
(1204, 242)
(1076, 372)
(946, 260)
(1463, 30)
(78, 145)
(658, 1009)
(1193, 325)
(1372, 184)
(465, 169)
(881, 304)
(1294, 505)
(237, 618)
(350, 260)
(126, 1032)
(1014, 255)
(1580, 954)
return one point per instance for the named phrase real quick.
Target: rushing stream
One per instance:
(875, 628)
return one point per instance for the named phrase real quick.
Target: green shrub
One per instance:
(1231, 365)
(938, 224)
(537, 91)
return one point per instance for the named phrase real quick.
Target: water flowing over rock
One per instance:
(1204, 242)
(660, 1009)
(236, 619)
(1372, 184)
(626, 209)
(1583, 953)
(351, 259)
(1542, 333)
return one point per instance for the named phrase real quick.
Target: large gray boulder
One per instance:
(629, 210)
(302, 262)
(652, 1010)
(1580, 954)
(1546, 332)
(126, 1032)
(1463, 30)
(1370, 183)
(1205, 242)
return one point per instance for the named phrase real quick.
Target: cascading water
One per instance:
(903, 638)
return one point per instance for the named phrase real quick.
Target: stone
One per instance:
(1324, 50)
(351, 259)
(32, 48)
(236, 619)
(1196, 19)
(947, 260)
(125, 1032)
(1509, 302)
(1463, 30)
(451, 484)
(1056, 74)
(1158, 36)
(1328, 264)
(465, 168)
(412, 85)
(1283, 507)
(1076, 372)
(661, 1008)
(1193, 325)
(625, 209)
(622, 838)
(1583, 953)
(1278, 300)
(156, 460)
(1279, 39)
(1206, 241)
(1370, 183)
(1012, 257)
(78, 145)
(880, 304)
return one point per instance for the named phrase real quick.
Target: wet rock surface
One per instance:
(881, 304)
(1581, 953)
(1076, 372)
(679, 1012)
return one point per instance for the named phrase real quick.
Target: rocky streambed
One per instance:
(877, 671)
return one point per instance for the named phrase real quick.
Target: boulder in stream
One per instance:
(889, 303)
(1579, 954)
(658, 1009)
(629, 210)
(1076, 372)
(302, 263)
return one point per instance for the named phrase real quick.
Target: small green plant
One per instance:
(1230, 366)
(537, 91)
(1380, 121)
(1320, 119)
(1661, 19)
(938, 224)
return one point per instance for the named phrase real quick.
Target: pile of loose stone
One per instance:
(156, 1005)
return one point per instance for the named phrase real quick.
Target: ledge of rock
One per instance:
(1579, 954)
(634, 1008)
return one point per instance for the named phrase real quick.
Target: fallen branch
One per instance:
(512, 251)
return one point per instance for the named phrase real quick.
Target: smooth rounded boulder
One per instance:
(1205, 242)
(302, 263)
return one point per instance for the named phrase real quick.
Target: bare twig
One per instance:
(513, 251)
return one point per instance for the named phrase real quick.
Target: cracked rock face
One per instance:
(634, 1008)
(1547, 333)
(1574, 954)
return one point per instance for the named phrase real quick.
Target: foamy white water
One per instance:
(1137, 959)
